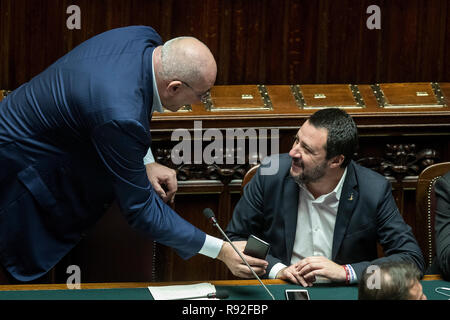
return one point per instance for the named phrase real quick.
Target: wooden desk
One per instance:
(246, 299)
(237, 290)
(119, 285)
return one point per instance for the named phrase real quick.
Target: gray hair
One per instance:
(397, 278)
(179, 62)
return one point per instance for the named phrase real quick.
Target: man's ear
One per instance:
(337, 161)
(173, 87)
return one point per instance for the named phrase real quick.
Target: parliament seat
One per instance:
(248, 176)
(426, 206)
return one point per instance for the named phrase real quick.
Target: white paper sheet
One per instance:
(182, 291)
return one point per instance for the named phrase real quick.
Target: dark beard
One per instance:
(312, 176)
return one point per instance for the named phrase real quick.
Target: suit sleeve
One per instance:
(442, 224)
(122, 146)
(394, 235)
(248, 216)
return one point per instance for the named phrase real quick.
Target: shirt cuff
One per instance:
(353, 277)
(149, 157)
(275, 269)
(211, 247)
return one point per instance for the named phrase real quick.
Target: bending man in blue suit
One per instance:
(323, 214)
(77, 136)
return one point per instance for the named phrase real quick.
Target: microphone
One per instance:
(209, 214)
(220, 294)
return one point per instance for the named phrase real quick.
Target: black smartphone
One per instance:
(256, 247)
(297, 294)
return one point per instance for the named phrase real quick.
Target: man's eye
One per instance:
(307, 150)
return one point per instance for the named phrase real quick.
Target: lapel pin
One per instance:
(351, 197)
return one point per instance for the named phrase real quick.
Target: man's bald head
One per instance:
(187, 59)
(185, 71)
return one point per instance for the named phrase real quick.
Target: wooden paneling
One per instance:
(191, 205)
(112, 251)
(254, 41)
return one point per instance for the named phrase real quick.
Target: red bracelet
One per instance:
(347, 274)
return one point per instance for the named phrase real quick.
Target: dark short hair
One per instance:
(342, 132)
(396, 280)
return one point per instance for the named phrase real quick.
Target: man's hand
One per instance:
(235, 263)
(291, 274)
(311, 267)
(160, 176)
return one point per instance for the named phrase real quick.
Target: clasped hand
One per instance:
(306, 270)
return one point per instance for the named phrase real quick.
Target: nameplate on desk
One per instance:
(345, 96)
(238, 98)
(409, 95)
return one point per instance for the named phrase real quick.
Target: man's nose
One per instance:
(295, 152)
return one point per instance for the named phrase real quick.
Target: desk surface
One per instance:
(237, 289)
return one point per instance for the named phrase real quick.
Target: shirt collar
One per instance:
(338, 189)
(156, 102)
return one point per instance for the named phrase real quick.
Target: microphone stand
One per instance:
(240, 255)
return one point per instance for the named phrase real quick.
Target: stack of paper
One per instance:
(191, 291)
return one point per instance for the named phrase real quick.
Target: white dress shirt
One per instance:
(315, 225)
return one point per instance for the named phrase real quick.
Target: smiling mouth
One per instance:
(297, 164)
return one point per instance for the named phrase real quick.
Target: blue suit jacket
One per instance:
(71, 140)
(367, 213)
